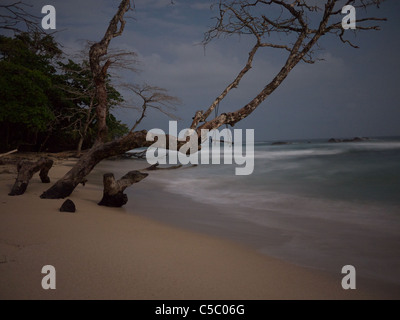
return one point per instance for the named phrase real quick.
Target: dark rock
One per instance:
(68, 206)
(358, 139)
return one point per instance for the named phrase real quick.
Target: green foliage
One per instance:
(78, 83)
(45, 101)
(35, 52)
(23, 96)
(116, 129)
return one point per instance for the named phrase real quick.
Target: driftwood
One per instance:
(7, 153)
(113, 194)
(26, 169)
(156, 167)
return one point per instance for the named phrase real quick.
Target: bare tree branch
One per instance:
(294, 26)
(99, 71)
(297, 19)
(14, 14)
(15, 17)
(153, 97)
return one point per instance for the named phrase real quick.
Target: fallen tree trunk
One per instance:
(64, 187)
(26, 169)
(113, 194)
(156, 167)
(7, 153)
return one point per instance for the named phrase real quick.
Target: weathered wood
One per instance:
(155, 167)
(7, 153)
(64, 187)
(200, 116)
(113, 194)
(26, 169)
(295, 22)
(96, 52)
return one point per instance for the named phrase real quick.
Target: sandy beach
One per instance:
(108, 253)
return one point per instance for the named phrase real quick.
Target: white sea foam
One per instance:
(376, 145)
(255, 205)
(275, 155)
(319, 205)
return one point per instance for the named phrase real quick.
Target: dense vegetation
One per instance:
(47, 102)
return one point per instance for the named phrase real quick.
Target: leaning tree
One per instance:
(293, 26)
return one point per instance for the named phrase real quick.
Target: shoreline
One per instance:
(110, 253)
(216, 221)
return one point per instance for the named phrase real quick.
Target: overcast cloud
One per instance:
(351, 93)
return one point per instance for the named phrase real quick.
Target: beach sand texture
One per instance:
(108, 253)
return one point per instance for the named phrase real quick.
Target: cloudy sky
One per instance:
(353, 92)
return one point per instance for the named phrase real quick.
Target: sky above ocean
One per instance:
(353, 92)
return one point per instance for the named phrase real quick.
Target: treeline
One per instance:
(48, 102)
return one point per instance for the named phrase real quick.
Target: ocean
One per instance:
(317, 204)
